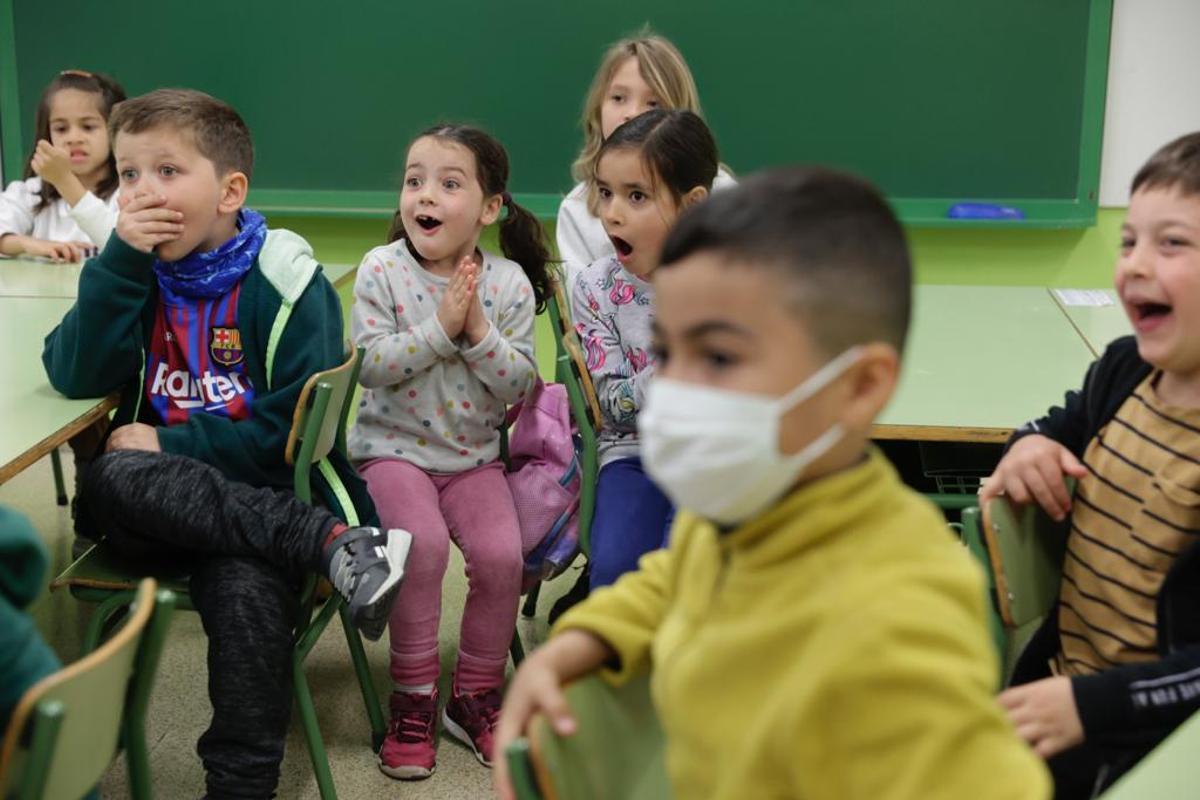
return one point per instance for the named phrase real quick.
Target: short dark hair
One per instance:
(830, 236)
(676, 145)
(217, 131)
(1176, 165)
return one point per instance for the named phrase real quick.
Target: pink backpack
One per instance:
(545, 478)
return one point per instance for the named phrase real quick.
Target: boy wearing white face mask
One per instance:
(813, 630)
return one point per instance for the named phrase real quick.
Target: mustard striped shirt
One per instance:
(1136, 510)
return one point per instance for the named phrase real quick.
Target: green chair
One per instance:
(318, 426)
(66, 728)
(616, 751)
(1022, 550)
(570, 369)
(1025, 549)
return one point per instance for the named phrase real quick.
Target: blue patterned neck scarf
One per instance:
(212, 274)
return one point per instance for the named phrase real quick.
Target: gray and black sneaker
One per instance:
(365, 566)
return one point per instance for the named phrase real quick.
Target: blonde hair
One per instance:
(664, 71)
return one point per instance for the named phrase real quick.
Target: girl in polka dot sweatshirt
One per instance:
(448, 334)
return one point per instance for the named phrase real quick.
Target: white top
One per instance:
(434, 401)
(91, 220)
(581, 237)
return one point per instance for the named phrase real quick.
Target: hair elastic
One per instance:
(506, 198)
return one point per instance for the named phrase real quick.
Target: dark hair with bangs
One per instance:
(831, 239)
(522, 238)
(676, 146)
(1176, 165)
(215, 128)
(108, 92)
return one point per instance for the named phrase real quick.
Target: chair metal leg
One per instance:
(516, 649)
(529, 609)
(366, 683)
(104, 612)
(312, 732)
(138, 760)
(60, 486)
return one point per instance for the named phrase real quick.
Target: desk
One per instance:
(339, 274)
(20, 277)
(1098, 325)
(980, 361)
(1168, 772)
(34, 418)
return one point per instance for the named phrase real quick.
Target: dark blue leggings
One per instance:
(632, 517)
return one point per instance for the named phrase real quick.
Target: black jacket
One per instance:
(1134, 705)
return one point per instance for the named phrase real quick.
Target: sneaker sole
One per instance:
(409, 773)
(458, 732)
(372, 618)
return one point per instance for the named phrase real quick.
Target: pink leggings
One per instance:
(475, 509)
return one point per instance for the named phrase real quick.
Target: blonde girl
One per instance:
(636, 74)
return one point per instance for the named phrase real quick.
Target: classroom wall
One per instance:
(1077, 258)
(1152, 98)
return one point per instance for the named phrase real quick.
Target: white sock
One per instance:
(415, 688)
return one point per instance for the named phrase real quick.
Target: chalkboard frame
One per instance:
(1076, 212)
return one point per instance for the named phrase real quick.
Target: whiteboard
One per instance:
(1153, 87)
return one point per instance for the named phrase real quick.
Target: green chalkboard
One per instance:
(936, 100)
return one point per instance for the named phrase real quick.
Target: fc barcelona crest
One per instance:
(225, 346)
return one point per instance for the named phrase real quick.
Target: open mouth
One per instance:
(428, 223)
(78, 154)
(1146, 316)
(624, 249)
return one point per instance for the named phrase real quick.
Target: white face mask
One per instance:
(716, 452)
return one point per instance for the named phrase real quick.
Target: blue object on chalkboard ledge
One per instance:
(983, 211)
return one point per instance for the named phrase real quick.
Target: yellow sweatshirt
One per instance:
(833, 647)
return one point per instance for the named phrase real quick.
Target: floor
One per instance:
(179, 709)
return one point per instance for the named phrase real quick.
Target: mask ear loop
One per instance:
(821, 378)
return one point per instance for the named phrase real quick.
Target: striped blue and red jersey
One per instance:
(196, 363)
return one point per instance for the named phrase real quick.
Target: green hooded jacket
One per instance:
(25, 658)
(291, 326)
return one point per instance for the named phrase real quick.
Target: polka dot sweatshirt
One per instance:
(428, 399)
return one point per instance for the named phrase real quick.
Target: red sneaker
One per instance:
(471, 718)
(409, 750)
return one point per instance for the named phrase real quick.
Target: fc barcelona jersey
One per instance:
(195, 363)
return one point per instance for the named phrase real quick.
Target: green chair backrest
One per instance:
(1168, 772)
(616, 751)
(1026, 550)
(66, 728)
(571, 371)
(972, 539)
(318, 421)
(571, 366)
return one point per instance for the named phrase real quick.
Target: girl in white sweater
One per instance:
(636, 75)
(66, 206)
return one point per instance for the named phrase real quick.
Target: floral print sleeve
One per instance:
(612, 317)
